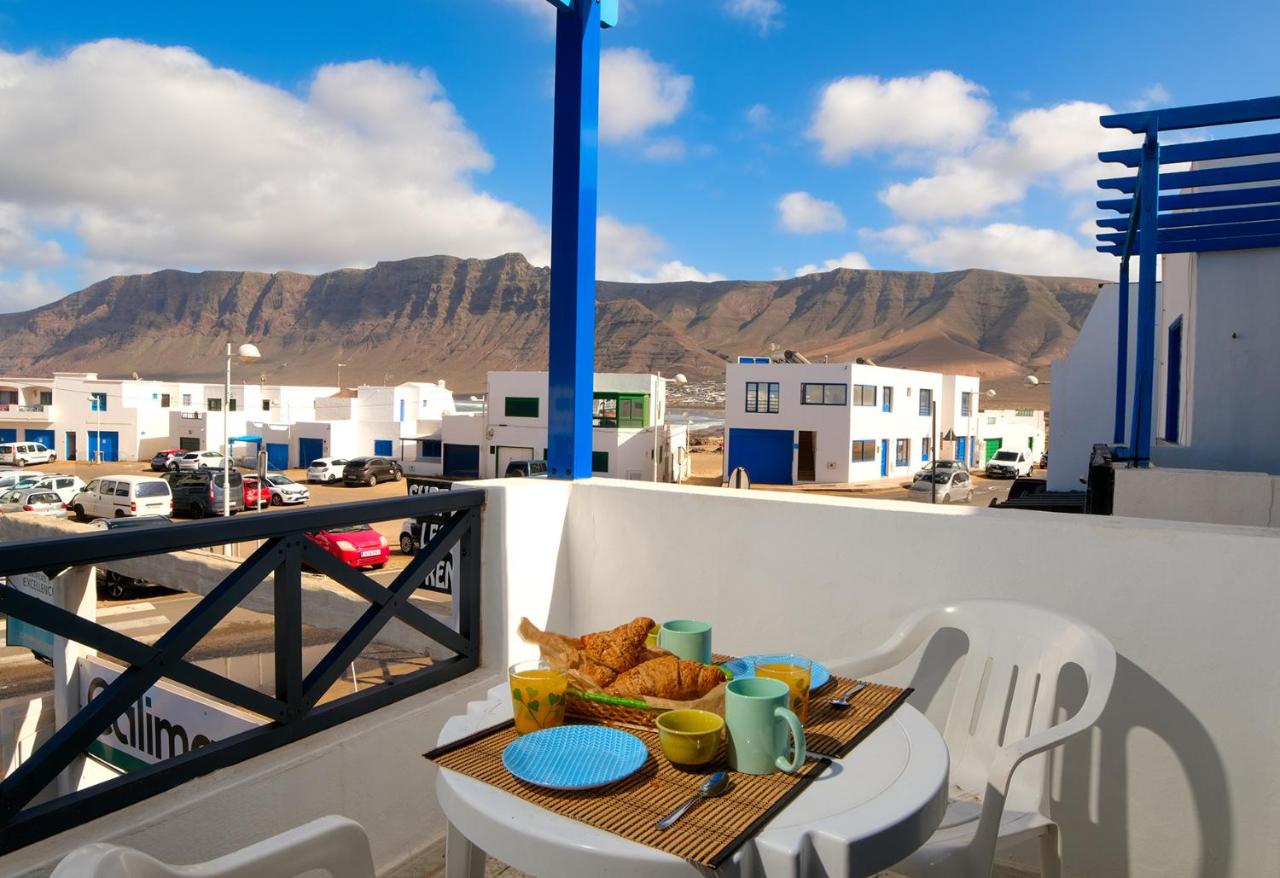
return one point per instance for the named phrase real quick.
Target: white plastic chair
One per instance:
(333, 844)
(1001, 714)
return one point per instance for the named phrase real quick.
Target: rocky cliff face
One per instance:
(441, 317)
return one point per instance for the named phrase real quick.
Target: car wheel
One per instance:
(379, 566)
(78, 511)
(116, 589)
(277, 500)
(119, 513)
(946, 498)
(373, 481)
(332, 478)
(406, 544)
(395, 474)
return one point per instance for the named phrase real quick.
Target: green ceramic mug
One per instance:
(759, 723)
(687, 639)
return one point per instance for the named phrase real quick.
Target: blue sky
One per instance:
(743, 138)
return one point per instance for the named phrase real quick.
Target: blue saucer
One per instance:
(574, 757)
(746, 667)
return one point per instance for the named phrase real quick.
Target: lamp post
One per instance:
(96, 456)
(340, 365)
(679, 379)
(246, 353)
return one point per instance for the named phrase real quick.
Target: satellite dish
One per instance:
(1031, 381)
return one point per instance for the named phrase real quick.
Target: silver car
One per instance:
(954, 486)
(39, 501)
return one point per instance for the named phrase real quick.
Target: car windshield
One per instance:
(280, 480)
(1006, 455)
(351, 529)
(357, 461)
(151, 489)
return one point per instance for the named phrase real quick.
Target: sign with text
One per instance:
(421, 530)
(24, 634)
(167, 721)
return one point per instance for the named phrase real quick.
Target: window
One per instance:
(763, 397)
(863, 450)
(231, 404)
(924, 448)
(97, 402)
(266, 405)
(618, 410)
(964, 404)
(887, 397)
(46, 397)
(430, 449)
(824, 394)
(864, 394)
(1024, 413)
(599, 461)
(213, 404)
(164, 400)
(903, 456)
(521, 407)
(926, 401)
(186, 399)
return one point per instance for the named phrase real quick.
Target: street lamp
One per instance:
(340, 365)
(679, 379)
(246, 353)
(97, 407)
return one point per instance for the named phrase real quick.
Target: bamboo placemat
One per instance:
(715, 828)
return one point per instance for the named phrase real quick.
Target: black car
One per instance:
(116, 586)
(526, 469)
(370, 470)
(198, 494)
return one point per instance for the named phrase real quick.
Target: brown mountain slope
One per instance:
(442, 317)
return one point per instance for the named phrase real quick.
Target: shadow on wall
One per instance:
(1090, 778)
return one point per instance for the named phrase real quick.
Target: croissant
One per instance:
(621, 648)
(667, 677)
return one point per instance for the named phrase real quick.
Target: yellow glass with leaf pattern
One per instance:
(537, 695)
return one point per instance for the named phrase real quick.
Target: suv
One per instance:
(25, 453)
(326, 469)
(1009, 464)
(198, 494)
(517, 469)
(370, 470)
(194, 461)
(66, 487)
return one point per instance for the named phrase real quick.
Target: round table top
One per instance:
(864, 813)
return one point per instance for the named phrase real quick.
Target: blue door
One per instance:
(884, 458)
(7, 435)
(961, 448)
(309, 450)
(382, 447)
(104, 446)
(44, 437)
(462, 460)
(765, 454)
(277, 456)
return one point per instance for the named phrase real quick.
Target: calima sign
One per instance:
(165, 722)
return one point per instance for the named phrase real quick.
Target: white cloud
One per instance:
(940, 110)
(154, 157)
(851, 259)
(960, 188)
(27, 291)
(638, 93)
(667, 149)
(758, 117)
(19, 247)
(1013, 248)
(762, 13)
(1156, 95)
(801, 213)
(633, 253)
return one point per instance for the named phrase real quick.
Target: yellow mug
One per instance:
(690, 737)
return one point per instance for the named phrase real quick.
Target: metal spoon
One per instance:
(711, 787)
(843, 702)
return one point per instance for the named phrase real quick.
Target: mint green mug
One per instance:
(759, 723)
(686, 639)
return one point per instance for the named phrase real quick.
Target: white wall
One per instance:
(1016, 431)
(1210, 496)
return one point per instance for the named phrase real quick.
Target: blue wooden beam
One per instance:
(1201, 217)
(573, 239)
(1260, 172)
(1122, 352)
(1200, 116)
(1219, 198)
(1145, 331)
(1202, 150)
(1200, 233)
(1210, 245)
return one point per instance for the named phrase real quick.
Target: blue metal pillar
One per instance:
(573, 239)
(1122, 352)
(1144, 366)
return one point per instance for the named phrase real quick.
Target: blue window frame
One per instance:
(965, 405)
(97, 402)
(926, 401)
(887, 397)
(864, 394)
(430, 449)
(763, 397)
(824, 394)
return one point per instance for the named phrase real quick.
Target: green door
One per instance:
(993, 445)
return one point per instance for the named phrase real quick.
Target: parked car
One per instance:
(26, 453)
(1044, 460)
(1009, 464)
(927, 469)
(40, 501)
(285, 491)
(122, 496)
(65, 486)
(116, 586)
(326, 469)
(193, 461)
(517, 469)
(253, 492)
(370, 470)
(19, 478)
(199, 494)
(166, 461)
(358, 545)
(954, 486)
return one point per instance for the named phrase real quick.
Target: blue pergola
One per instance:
(1150, 223)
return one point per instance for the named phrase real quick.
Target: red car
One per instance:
(358, 545)
(251, 492)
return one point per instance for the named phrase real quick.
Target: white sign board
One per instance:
(445, 574)
(167, 721)
(24, 634)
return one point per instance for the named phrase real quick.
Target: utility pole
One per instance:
(933, 440)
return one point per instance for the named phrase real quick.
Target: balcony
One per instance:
(1179, 778)
(32, 413)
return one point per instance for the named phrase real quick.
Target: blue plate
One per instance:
(574, 757)
(746, 667)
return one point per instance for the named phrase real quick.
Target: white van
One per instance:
(64, 486)
(25, 453)
(122, 496)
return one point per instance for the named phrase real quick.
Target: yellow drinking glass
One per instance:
(794, 670)
(537, 695)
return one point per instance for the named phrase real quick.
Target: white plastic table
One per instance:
(863, 814)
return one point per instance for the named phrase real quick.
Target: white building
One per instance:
(842, 422)
(1012, 429)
